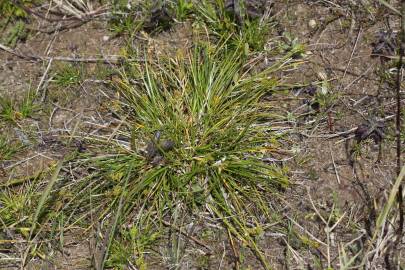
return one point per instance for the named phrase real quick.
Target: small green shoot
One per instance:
(131, 247)
(69, 75)
(16, 33)
(182, 9)
(13, 204)
(7, 148)
(291, 43)
(11, 110)
(28, 106)
(252, 33)
(9, 10)
(7, 111)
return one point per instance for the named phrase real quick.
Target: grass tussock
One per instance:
(211, 17)
(12, 111)
(194, 139)
(198, 135)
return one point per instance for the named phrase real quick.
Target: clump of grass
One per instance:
(10, 10)
(13, 206)
(13, 19)
(182, 9)
(252, 32)
(69, 74)
(18, 198)
(152, 16)
(125, 19)
(130, 247)
(198, 137)
(28, 106)
(7, 148)
(16, 33)
(7, 111)
(209, 15)
(11, 110)
(291, 43)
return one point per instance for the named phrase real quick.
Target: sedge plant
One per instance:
(198, 133)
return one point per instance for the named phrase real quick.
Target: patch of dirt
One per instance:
(338, 173)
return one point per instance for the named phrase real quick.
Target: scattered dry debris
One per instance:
(386, 44)
(160, 19)
(371, 130)
(251, 9)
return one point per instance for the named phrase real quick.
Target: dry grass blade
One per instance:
(382, 218)
(77, 8)
(388, 5)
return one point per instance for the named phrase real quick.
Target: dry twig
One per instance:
(111, 59)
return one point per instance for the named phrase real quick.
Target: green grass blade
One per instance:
(45, 196)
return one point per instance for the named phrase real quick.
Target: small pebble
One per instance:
(312, 23)
(106, 38)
